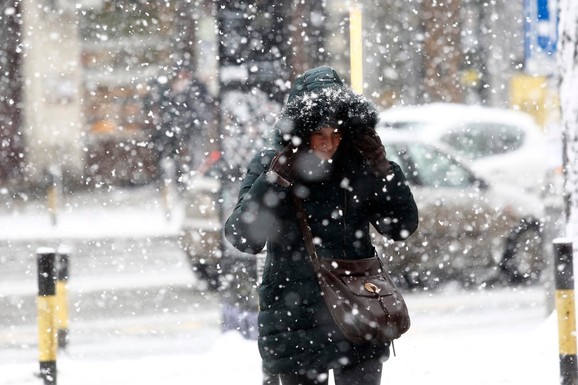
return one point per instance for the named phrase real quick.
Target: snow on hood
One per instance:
(335, 105)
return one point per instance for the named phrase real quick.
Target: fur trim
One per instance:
(336, 106)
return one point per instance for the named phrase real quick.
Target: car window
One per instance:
(477, 140)
(398, 154)
(426, 166)
(402, 125)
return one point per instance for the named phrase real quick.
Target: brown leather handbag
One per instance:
(360, 295)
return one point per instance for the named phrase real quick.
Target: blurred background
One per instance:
(106, 102)
(83, 82)
(126, 125)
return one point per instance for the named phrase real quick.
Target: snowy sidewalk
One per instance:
(480, 339)
(121, 212)
(115, 238)
(503, 356)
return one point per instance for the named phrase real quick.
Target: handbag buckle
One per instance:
(371, 287)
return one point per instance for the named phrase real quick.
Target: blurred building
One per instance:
(42, 121)
(123, 48)
(11, 82)
(75, 78)
(416, 52)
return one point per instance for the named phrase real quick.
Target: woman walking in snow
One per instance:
(328, 154)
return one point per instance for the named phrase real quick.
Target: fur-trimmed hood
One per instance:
(319, 98)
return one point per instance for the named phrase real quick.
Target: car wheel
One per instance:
(523, 259)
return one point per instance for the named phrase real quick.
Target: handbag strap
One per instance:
(307, 235)
(310, 246)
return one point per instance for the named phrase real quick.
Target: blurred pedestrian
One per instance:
(182, 110)
(328, 154)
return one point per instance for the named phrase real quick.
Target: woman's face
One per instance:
(324, 142)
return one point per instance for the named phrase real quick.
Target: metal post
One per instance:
(566, 309)
(168, 178)
(356, 49)
(62, 297)
(47, 345)
(52, 194)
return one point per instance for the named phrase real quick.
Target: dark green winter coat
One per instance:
(296, 330)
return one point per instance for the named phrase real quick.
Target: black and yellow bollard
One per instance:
(566, 309)
(47, 345)
(62, 297)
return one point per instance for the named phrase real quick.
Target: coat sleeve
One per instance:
(249, 224)
(394, 212)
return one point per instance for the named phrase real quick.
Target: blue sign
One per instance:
(541, 35)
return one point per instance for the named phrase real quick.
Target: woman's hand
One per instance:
(281, 171)
(370, 147)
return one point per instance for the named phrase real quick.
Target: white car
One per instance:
(504, 146)
(470, 229)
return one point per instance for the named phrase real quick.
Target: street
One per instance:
(142, 298)
(117, 289)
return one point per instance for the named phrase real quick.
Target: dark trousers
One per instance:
(365, 373)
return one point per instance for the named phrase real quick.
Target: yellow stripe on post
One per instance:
(47, 346)
(62, 304)
(52, 198)
(565, 305)
(356, 49)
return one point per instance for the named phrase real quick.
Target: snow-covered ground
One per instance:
(511, 352)
(122, 212)
(479, 337)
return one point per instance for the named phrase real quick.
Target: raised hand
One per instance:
(370, 147)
